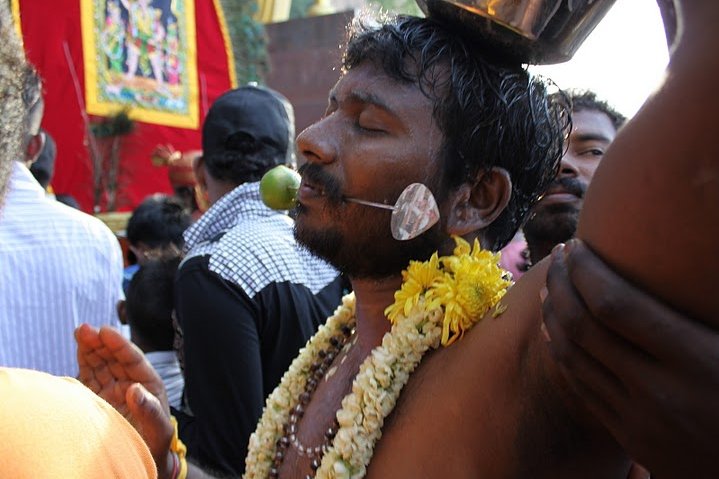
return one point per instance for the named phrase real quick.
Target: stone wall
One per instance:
(304, 56)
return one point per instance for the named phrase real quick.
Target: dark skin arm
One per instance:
(649, 373)
(646, 365)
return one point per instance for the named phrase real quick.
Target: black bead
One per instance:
(305, 398)
(346, 330)
(315, 464)
(322, 353)
(274, 473)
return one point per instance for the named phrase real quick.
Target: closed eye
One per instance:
(593, 152)
(370, 122)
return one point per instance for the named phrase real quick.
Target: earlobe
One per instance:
(201, 196)
(122, 311)
(198, 168)
(476, 205)
(34, 148)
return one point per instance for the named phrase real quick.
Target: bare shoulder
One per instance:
(486, 407)
(466, 401)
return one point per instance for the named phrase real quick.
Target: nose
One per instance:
(568, 165)
(317, 143)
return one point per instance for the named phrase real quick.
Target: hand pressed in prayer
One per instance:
(648, 373)
(117, 371)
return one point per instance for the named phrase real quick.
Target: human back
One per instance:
(60, 268)
(51, 426)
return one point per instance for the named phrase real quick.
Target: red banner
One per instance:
(54, 35)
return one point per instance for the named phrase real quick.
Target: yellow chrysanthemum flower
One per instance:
(466, 285)
(417, 279)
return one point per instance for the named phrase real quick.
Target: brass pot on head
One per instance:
(528, 31)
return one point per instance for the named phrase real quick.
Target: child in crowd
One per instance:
(148, 311)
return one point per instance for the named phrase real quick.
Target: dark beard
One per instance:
(556, 223)
(372, 253)
(375, 254)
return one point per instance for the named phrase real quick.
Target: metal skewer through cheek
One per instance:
(371, 203)
(414, 213)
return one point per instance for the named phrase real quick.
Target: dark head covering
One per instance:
(259, 113)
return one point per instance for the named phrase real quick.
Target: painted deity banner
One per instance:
(140, 55)
(165, 61)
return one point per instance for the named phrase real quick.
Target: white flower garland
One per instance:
(433, 297)
(375, 390)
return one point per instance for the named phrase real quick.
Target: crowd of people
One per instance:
(311, 343)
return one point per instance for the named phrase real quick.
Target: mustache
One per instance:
(570, 185)
(317, 176)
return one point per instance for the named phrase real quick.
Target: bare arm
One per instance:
(650, 374)
(656, 194)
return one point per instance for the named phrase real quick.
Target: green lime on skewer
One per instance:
(278, 188)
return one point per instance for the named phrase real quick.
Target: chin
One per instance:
(321, 242)
(552, 226)
(369, 251)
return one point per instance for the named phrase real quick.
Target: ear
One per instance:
(122, 311)
(475, 205)
(34, 148)
(198, 167)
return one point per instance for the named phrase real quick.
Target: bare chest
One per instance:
(312, 425)
(426, 426)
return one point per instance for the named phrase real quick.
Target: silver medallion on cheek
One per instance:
(414, 212)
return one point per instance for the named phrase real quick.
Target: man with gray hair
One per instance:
(60, 267)
(51, 426)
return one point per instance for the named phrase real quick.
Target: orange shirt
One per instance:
(54, 427)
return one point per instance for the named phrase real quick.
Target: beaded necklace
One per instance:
(439, 300)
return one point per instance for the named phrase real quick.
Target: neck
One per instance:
(216, 189)
(372, 297)
(141, 343)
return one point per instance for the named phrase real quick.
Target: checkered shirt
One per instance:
(252, 246)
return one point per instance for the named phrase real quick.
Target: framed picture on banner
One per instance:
(141, 56)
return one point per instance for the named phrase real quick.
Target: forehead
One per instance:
(370, 84)
(592, 123)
